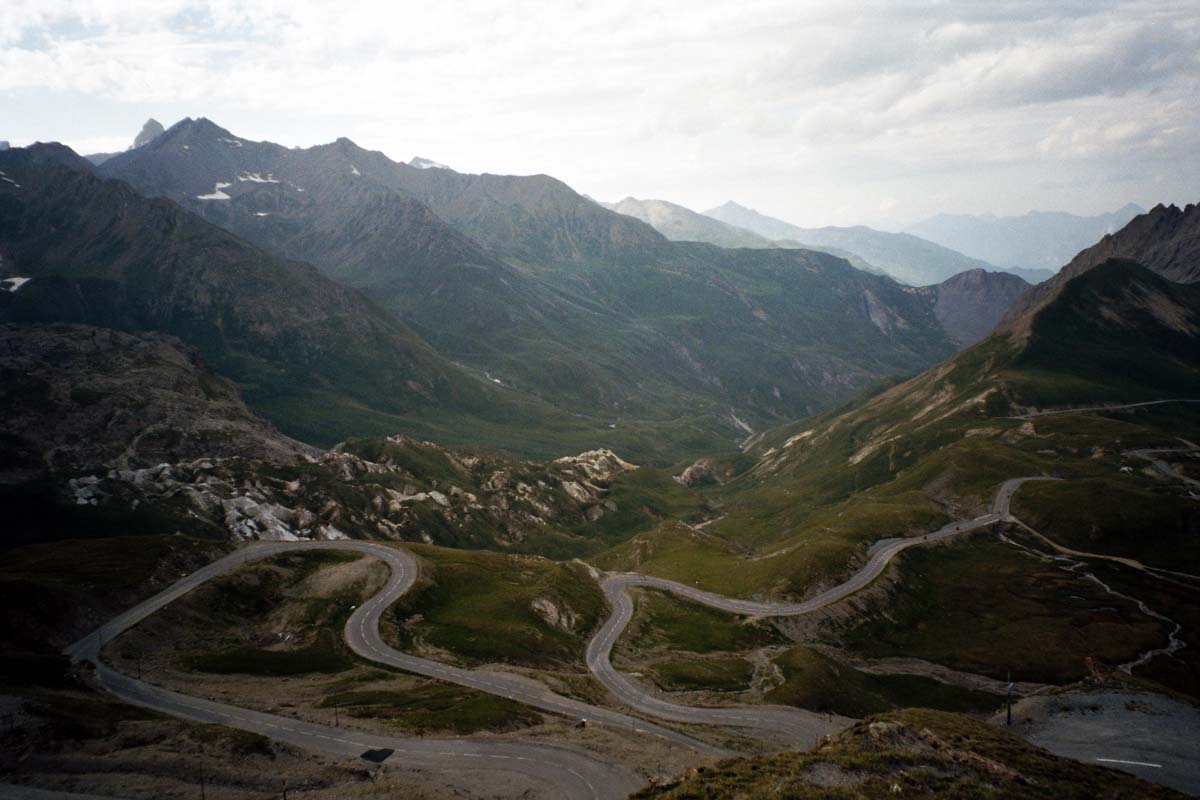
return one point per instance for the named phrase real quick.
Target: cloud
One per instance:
(802, 108)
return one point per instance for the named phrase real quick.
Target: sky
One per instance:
(878, 113)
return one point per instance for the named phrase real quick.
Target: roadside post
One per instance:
(1008, 700)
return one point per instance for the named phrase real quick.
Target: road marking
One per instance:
(1133, 763)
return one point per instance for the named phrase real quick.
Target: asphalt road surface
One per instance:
(1149, 735)
(803, 726)
(572, 774)
(567, 773)
(1053, 411)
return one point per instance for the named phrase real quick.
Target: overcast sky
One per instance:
(880, 113)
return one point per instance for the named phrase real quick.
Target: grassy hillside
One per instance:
(909, 457)
(485, 607)
(910, 753)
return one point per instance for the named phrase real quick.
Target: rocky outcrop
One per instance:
(393, 488)
(1165, 239)
(969, 304)
(77, 396)
(149, 132)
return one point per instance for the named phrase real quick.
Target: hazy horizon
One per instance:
(873, 115)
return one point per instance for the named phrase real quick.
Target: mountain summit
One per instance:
(1166, 240)
(150, 131)
(681, 224)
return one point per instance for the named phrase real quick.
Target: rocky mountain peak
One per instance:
(150, 131)
(199, 129)
(1166, 239)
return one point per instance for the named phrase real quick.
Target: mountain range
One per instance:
(188, 328)
(1037, 240)
(905, 257)
(313, 355)
(680, 224)
(1165, 239)
(553, 296)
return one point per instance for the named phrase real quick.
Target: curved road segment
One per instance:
(791, 722)
(1118, 407)
(572, 774)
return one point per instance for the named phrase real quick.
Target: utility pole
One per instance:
(200, 756)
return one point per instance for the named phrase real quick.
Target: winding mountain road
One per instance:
(1117, 407)
(572, 774)
(791, 722)
(1150, 454)
(568, 773)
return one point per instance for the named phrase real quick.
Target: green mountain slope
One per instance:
(802, 508)
(547, 293)
(314, 357)
(910, 753)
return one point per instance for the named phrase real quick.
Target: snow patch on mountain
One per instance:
(354, 170)
(254, 177)
(230, 142)
(426, 163)
(216, 194)
(12, 284)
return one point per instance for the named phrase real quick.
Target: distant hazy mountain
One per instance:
(1037, 240)
(1165, 240)
(681, 224)
(906, 258)
(150, 131)
(4, 144)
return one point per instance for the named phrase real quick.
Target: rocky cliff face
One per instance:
(969, 304)
(1165, 239)
(76, 396)
(149, 132)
